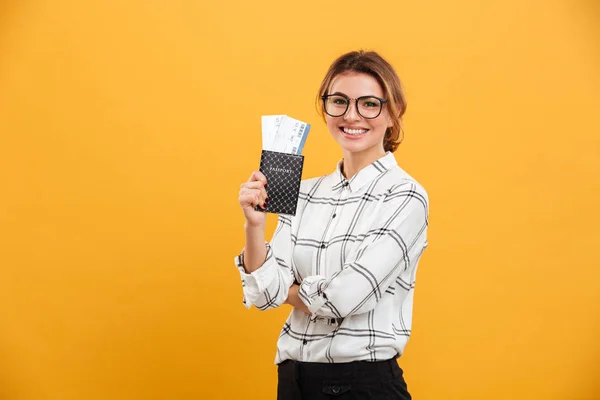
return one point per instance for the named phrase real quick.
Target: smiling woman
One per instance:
(356, 240)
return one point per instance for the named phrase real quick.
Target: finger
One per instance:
(248, 193)
(260, 191)
(253, 185)
(253, 197)
(262, 198)
(250, 199)
(258, 176)
(264, 195)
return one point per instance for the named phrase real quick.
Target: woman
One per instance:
(346, 262)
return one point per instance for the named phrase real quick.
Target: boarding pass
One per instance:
(284, 134)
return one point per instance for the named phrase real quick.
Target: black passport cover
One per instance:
(284, 173)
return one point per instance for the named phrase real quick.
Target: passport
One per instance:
(284, 174)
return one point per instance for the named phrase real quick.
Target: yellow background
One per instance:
(126, 128)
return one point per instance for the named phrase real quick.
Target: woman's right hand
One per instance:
(252, 194)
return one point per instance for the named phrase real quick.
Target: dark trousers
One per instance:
(356, 380)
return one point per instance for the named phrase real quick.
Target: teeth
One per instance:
(355, 131)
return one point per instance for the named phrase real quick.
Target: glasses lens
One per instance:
(369, 107)
(336, 105)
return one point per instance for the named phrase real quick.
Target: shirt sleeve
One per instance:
(268, 286)
(394, 243)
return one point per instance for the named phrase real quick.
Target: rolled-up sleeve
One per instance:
(268, 286)
(394, 243)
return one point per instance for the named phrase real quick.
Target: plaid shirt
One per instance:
(353, 246)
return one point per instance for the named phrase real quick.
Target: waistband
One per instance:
(325, 370)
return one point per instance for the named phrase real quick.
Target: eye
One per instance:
(338, 100)
(370, 102)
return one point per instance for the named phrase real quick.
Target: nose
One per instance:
(351, 114)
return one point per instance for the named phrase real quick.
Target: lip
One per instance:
(353, 137)
(352, 127)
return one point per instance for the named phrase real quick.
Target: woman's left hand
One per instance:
(295, 301)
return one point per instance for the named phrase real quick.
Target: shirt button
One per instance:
(333, 216)
(323, 246)
(305, 341)
(335, 389)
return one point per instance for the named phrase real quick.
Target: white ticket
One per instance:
(284, 134)
(270, 125)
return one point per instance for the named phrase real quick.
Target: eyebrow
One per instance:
(344, 94)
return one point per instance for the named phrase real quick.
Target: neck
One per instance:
(354, 162)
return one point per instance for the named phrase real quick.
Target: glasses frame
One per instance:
(325, 97)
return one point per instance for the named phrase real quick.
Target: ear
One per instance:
(390, 121)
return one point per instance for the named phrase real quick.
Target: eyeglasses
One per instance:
(336, 105)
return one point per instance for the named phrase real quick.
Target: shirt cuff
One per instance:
(255, 283)
(311, 293)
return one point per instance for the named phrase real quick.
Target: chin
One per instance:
(359, 145)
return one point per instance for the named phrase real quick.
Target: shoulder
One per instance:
(399, 178)
(400, 184)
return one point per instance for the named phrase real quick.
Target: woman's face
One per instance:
(354, 133)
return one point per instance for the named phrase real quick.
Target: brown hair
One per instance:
(372, 64)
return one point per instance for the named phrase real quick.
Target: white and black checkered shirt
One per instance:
(353, 247)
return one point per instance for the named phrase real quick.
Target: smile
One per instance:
(354, 131)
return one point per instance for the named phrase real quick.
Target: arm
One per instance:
(265, 268)
(253, 194)
(393, 244)
(295, 301)
(266, 285)
(255, 252)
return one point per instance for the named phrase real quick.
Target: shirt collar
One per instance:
(365, 175)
